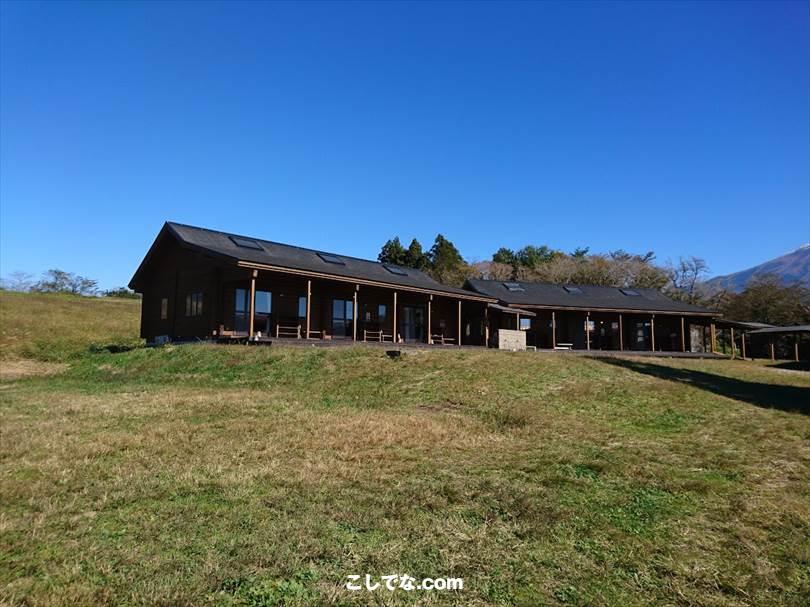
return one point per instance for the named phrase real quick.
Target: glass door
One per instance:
(413, 323)
(342, 317)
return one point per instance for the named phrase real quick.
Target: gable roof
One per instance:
(583, 297)
(276, 256)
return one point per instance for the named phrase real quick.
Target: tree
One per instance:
(767, 300)
(580, 252)
(446, 263)
(685, 277)
(122, 292)
(393, 252)
(531, 256)
(415, 257)
(17, 281)
(505, 256)
(59, 281)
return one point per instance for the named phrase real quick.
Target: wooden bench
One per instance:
(290, 331)
(441, 340)
(564, 346)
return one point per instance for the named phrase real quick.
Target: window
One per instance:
(630, 292)
(194, 304)
(525, 324)
(164, 308)
(573, 290)
(342, 317)
(395, 270)
(382, 312)
(513, 286)
(329, 258)
(240, 308)
(246, 243)
(302, 306)
(264, 302)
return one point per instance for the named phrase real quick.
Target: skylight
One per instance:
(395, 270)
(513, 286)
(329, 258)
(573, 290)
(246, 243)
(630, 292)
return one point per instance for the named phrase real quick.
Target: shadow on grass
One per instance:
(770, 396)
(791, 365)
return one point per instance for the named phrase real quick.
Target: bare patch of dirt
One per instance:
(18, 369)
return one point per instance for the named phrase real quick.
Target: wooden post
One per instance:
(796, 347)
(459, 323)
(553, 330)
(773, 355)
(587, 331)
(683, 335)
(652, 331)
(621, 334)
(733, 345)
(252, 304)
(517, 321)
(309, 296)
(486, 326)
(742, 343)
(394, 333)
(429, 331)
(354, 313)
(713, 338)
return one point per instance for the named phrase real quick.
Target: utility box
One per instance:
(510, 339)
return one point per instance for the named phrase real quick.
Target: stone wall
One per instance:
(509, 339)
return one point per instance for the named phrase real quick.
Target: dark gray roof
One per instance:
(291, 257)
(743, 324)
(588, 297)
(780, 330)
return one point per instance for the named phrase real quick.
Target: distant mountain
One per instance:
(792, 268)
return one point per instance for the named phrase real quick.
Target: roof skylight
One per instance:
(630, 292)
(246, 243)
(573, 290)
(395, 270)
(329, 258)
(513, 286)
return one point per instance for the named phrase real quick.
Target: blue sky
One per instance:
(682, 128)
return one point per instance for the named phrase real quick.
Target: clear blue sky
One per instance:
(682, 128)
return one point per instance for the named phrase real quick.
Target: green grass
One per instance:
(204, 475)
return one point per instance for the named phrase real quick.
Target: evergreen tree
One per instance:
(393, 252)
(415, 257)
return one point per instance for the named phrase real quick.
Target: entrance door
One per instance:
(342, 317)
(413, 323)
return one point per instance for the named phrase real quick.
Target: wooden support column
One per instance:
(683, 335)
(486, 326)
(733, 345)
(652, 331)
(354, 313)
(309, 297)
(459, 323)
(394, 333)
(252, 303)
(553, 330)
(742, 343)
(713, 338)
(796, 347)
(517, 321)
(773, 354)
(588, 330)
(621, 333)
(429, 331)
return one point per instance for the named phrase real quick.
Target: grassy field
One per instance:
(204, 475)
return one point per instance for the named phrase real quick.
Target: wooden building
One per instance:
(580, 317)
(204, 284)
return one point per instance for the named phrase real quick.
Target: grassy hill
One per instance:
(213, 475)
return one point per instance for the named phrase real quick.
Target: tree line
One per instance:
(765, 299)
(61, 281)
